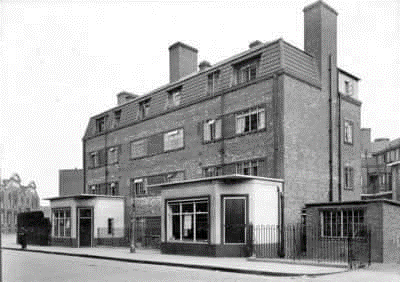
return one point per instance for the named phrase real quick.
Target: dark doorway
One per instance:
(235, 220)
(85, 227)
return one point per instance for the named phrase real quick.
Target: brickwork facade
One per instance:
(267, 110)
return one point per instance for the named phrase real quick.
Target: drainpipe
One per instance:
(281, 221)
(84, 167)
(339, 101)
(330, 133)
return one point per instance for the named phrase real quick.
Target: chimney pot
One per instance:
(124, 97)
(254, 44)
(204, 65)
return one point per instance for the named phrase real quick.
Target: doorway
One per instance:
(85, 227)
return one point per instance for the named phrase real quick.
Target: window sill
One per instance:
(188, 242)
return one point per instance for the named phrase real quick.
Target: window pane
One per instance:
(202, 207)
(175, 208)
(187, 226)
(187, 207)
(201, 227)
(176, 227)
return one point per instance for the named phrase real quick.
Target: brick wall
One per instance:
(306, 156)
(391, 233)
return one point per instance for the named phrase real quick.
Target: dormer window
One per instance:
(100, 124)
(246, 71)
(144, 108)
(117, 118)
(174, 97)
(348, 86)
(212, 82)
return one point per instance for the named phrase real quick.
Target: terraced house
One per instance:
(271, 111)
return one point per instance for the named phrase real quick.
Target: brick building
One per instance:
(382, 168)
(270, 111)
(16, 198)
(70, 182)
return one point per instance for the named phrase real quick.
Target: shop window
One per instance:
(234, 219)
(188, 220)
(346, 223)
(250, 120)
(62, 222)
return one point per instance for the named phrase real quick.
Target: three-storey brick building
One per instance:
(270, 111)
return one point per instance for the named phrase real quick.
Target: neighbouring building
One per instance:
(355, 219)
(273, 111)
(70, 182)
(383, 171)
(16, 198)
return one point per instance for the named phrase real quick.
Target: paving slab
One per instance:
(151, 256)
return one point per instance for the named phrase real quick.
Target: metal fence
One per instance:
(147, 234)
(300, 242)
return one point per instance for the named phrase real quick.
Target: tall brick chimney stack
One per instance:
(320, 39)
(182, 60)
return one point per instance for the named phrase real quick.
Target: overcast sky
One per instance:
(64, 61)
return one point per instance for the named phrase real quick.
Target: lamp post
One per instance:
(133, 217)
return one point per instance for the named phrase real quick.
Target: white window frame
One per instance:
(327, 228)
(174, 98)
(247, 72)
(174, 140)
(144, 108)
(348, 178)
(181, 215)
(62, 223)
(348, 132)
(94, 159)
(250, 165)
(212, 130)
(139, 186)
(212, 82)
(244, 120)
(112, 155)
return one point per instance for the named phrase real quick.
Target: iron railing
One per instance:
(301, 242)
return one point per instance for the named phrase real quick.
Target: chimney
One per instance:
(254, 44)
(204, 65)
(320, 39)
(125, 97)
(182, 60)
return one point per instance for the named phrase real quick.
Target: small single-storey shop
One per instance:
(84, 220)
(211, 216)
(339, 221)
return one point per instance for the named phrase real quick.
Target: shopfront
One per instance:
(214, 216)
(87, 220)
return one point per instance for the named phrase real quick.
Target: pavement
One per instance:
(152, 256)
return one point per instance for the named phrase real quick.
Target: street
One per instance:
(30, 266)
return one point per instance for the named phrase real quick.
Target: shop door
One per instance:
(85, 227)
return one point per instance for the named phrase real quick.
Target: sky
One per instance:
(62, 62)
